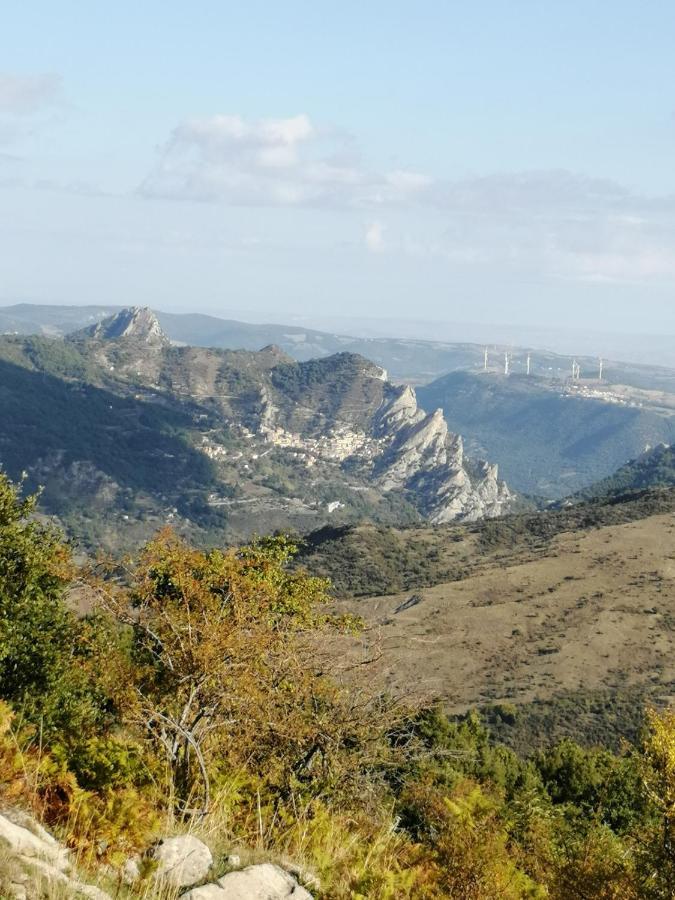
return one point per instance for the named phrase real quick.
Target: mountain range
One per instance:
(127, 431)
(473, 597)
(551, 435)
(409, 360)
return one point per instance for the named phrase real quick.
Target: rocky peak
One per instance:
(139, 323)
(276, 354)
(399, 409)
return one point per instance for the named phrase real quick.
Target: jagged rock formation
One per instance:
(250, 441)
(405, 450)
(136, 322)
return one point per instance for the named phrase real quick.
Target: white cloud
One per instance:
(24, 95)
(25, 100)
(549, 223)
(374, 237)
(271, 162)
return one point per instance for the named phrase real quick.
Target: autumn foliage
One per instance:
(194, 692)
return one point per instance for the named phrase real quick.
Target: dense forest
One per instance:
(191, 691)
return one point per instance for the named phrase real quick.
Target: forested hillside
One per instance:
(652, 469)
(127, 432)
(193, 692)
(551, 438)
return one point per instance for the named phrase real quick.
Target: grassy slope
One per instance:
(594, 612)
(555, 624)
(368, 560)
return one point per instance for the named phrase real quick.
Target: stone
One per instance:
(205, 892)
(26, 843)
(182, 861)
(44, 873)
(37, 862)
(131, 870)
(261, 882)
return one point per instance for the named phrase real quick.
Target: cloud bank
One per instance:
(270, 162)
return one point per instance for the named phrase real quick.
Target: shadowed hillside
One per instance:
(551, 439)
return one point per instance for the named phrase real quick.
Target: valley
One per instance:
(551, 435)
(552, 438)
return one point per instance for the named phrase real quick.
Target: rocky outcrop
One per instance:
(136, 322)
(261, 882)
(338, 410)
(34, 863)
(424, 459)
(401, 448)
(397, 410)
(422, 446)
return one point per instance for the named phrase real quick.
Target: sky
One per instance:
(488, 162)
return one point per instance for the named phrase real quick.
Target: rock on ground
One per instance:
(34, 860)
(261, 882)
(182, 861)
(29, 839)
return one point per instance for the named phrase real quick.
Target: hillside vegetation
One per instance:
(368, 560)
(194, 692)
(652, 469)
(549, 440)
(128, 433)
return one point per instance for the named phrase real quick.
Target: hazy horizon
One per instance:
(370, 162)
(633, 347)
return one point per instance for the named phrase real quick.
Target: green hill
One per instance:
(128, 432)
(550, 438)
(652, 469)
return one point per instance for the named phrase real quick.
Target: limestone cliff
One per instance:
(255, 440)
(403, 449)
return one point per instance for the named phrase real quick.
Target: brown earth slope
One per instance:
(595, 611)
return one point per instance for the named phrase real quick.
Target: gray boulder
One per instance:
(182, 861)
(262, 882)
(205, 892)
(28, 838)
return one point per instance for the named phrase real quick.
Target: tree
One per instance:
(658, 775)
(222, 675)
(36, 627)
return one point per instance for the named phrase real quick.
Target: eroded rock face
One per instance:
(401, 448)
(135, 322)
(339, 410)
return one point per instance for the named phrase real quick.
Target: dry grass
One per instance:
(595, 610)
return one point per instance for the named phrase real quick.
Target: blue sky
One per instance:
(494, 161)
